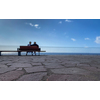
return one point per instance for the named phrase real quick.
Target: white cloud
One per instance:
(36, 25)
(60, 22)
(30, 24)
(87, 38)
(73, 39)
(97, 40)
(67, 20)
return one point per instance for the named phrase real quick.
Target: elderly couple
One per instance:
(32, 45)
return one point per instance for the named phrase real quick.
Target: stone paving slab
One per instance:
(3, 70)
(51, 60)
(35, 69)
(72, 77)
(6, 61)
(69, 65)
(39, 59)
(12, 75)
(73, 62)
(36, 64)
(32, 77)
(93, 69)
(53, 65)
(19, 69)
(3, 66)
(50, 68)
(82, 65)
(70, 71)
(95, 65)
(22, 65)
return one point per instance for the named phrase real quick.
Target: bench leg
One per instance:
(19, 53)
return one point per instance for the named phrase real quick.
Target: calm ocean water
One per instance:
(52, 50)
(23, 53)
(70, 53)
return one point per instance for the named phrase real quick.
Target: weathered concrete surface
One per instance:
(50, 68)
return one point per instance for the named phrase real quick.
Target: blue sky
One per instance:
(51, 32)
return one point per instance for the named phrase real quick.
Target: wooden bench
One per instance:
(25, 49)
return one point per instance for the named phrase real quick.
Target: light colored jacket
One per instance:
(29, 45)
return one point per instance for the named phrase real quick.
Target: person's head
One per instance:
(30, 42)
(34, 42)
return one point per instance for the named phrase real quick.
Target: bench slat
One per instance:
(29, 48)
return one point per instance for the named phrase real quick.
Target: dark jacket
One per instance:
(34, 45)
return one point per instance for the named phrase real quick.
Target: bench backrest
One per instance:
(29, 48)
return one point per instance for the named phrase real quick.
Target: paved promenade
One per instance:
(50, 68)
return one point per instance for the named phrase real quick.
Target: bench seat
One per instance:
(32, 48)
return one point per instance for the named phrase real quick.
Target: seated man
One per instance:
(35, 45)
(27, 51)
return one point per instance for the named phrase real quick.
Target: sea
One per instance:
(49, 53)
(56, 50)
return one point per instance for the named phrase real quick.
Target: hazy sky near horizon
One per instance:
(51, 32)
